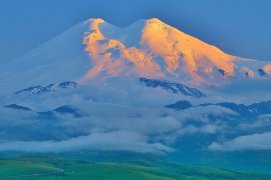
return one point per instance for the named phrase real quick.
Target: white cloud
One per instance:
(104, 141)
(202, 114)
(247, 142)
(263, 121)
(138, 126)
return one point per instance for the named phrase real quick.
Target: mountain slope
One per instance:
(173, 87)
(253, 109)
(60, 168)
(60, 59)
(154, 49)
(48, 88)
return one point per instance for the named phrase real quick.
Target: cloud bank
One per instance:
(110, 141)
(248, 142)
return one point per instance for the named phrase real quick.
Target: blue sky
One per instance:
(238, 27)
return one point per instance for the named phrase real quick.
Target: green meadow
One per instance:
(49, 168)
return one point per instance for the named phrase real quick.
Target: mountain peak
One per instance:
(95, 20)
(152, 48)
(154, 20)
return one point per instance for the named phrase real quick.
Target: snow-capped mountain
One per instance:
(145, 88)
(254, 109)
(172, 87)
(154, 49)
(95, 49)
(48, 88)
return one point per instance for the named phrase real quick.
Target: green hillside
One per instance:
(36, 168)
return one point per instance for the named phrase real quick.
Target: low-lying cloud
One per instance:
(104, 141)
(247, 142)
(109, 126)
